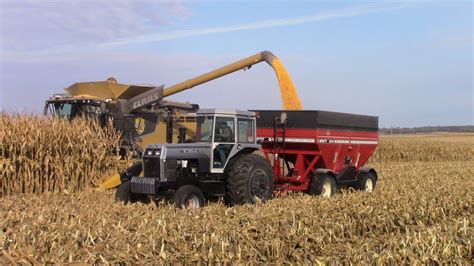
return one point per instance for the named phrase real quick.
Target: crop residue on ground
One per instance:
(421, 211)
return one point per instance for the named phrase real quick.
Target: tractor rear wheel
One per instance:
(188, 197)
(367, 182)
(124, 194)
(323, 185)
(249, 178)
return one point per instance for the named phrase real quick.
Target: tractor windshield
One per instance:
(204, 128)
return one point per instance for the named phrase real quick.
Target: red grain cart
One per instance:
(318, 151)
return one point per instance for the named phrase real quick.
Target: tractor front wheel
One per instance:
(249, 178)
(188, 196)
(323, 185)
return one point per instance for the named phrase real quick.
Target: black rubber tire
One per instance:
(249, 177)
(124, 194)
(362, 182)
(317, 185)
(187, 195)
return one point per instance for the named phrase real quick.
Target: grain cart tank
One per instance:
(318, 151)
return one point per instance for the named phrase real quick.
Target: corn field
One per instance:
(42, 154)
(428, 148)
(421, 211)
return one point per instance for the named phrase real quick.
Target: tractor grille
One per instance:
(151, 167)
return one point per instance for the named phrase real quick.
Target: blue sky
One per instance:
(408, 62)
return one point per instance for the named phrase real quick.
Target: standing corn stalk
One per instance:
(50, 155)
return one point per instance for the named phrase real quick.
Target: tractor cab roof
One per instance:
(225, 112)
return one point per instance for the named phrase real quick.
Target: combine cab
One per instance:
(137, 111)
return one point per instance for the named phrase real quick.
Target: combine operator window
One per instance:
(71, 110)
(64, 110)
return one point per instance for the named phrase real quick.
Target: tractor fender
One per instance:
(241, 149)
(367, 169)
(324, 171)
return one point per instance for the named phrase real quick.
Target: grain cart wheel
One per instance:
(323, 184)
(188, 196)
(367, 182)
(250, 176)
(124, 194)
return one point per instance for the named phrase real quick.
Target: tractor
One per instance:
(221, 162)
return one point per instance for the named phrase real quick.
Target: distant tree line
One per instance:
(430, 129)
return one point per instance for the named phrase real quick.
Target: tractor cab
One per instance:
(219, 163)
(227, 132)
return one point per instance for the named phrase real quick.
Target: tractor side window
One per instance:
(225, 129)
(204, 129)
(245, 131)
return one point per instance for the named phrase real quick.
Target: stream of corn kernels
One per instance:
(289, 94)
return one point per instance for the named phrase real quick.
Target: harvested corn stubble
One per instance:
(414, 216)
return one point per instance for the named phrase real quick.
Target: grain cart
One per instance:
(318, 151)
(310, 151)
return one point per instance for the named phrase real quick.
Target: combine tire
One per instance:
(124, 194)
(250, 177)
(367, 182)
(323, 185)
(188, 196)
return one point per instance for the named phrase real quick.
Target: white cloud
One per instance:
(328, 15)
(39, 25)
(59, 31)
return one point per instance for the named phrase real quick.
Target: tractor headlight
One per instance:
(153, 152)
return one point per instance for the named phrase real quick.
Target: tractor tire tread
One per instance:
(238, 178)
